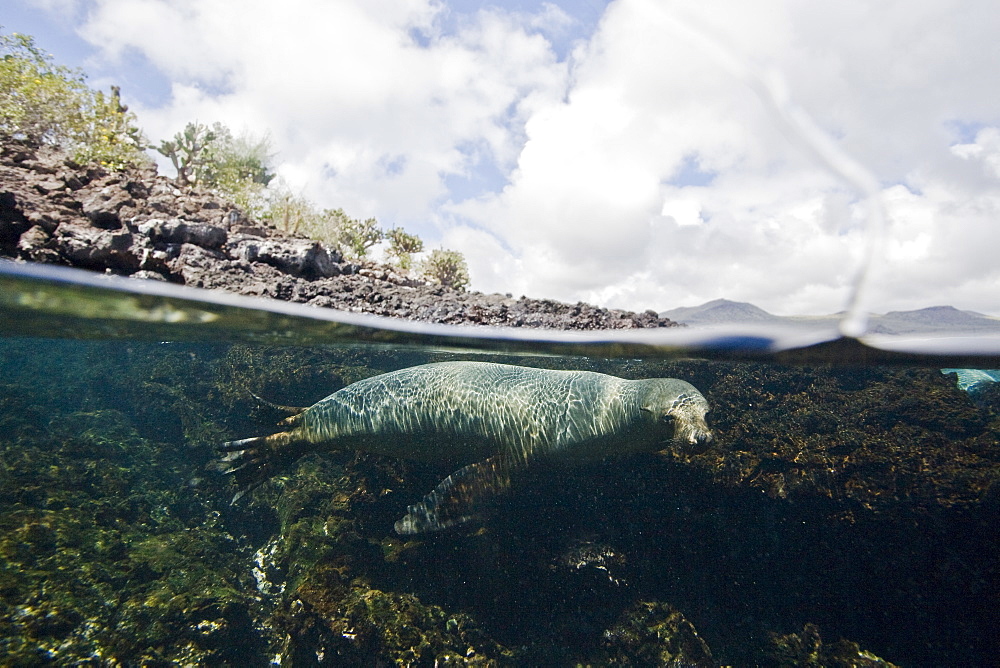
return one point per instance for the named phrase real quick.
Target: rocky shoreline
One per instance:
(140, 224)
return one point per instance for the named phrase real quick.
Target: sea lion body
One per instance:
(492, 418)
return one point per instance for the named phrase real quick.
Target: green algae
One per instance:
(117, 546)
(113, 555)
(654, 634)
(807, 649)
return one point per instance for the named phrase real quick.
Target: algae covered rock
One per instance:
(654, 634)
(864, 496)
(808, 649)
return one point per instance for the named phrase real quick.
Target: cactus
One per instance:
(402, 246)
(354, 236)
(189, 152)
(447, 268)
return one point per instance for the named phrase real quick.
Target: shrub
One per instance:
(354, 236)
(294, 213)
(447, 268)
(214, 158)
(112, 135)
(402, 246)
(45, 103)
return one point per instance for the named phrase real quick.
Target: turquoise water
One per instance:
(846, 511)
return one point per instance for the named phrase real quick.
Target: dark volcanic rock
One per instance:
(140, 224)
(93, 248)
(12, 220)
(103, 206)
(298, 257)
(179, 232)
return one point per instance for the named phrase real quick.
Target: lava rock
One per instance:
(180, 232)
(96, 249)
(102, 207)
(298, 257)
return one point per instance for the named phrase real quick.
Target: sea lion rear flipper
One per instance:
(458, 498)
(251, 461)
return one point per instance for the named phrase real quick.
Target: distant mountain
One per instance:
(721, 312)
(935, 319)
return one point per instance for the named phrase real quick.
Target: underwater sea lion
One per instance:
(494, 418)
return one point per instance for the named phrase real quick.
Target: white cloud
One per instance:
(362, 114)
(374, 105)
(771, 227)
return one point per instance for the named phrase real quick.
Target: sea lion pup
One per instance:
(493, 419)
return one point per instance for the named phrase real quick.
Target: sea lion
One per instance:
(492, 418)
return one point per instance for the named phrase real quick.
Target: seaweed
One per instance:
(859, 500)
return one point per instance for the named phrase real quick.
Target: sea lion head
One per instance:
(670, 402)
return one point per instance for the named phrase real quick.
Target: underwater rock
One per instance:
(828, 491)
(654, 634)
(589, 556)
(795, 650)
(370, 627)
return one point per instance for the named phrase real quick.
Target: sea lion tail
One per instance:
(253, 461)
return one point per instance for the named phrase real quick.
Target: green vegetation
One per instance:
(239, 167)
(447, 268)
(292, 213)
(189, 152)
(402, 246)
(355, 236)
(45, 103)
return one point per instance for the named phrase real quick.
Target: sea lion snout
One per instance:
(693, 436)
(678, 403)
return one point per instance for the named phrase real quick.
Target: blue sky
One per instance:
(611, 152)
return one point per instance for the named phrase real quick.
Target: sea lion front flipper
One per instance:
(458, 498)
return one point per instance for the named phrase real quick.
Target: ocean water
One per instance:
(845, 514)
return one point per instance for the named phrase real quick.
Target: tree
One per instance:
(113, 137)
(402, 246)
(45, 103)
(447, 268)
(354, 236)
